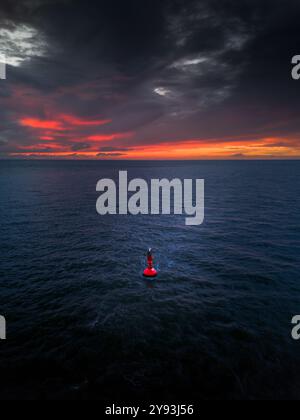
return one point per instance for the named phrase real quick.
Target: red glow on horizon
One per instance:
(67, 136)
(266, 148)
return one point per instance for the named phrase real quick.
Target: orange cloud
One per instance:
(79, 122)
(108, 137)
(40, 124)
(62, 134)
(60, 122)
(46, 138)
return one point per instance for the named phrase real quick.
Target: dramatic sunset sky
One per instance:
(149, 79)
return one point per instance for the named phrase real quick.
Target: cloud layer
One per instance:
(152, 79)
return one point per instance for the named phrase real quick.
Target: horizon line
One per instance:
(55, 159)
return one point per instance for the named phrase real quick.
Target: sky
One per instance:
(149, 79)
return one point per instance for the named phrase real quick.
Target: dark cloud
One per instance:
(109, 155)
(113, 149)
(80, 146)
(239, 156)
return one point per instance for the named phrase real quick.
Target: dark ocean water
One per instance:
(83, 323)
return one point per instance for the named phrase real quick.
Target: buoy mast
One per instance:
(150, 271)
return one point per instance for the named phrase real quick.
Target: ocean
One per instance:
(83, 323)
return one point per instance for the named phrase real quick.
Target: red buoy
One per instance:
(150, 271)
